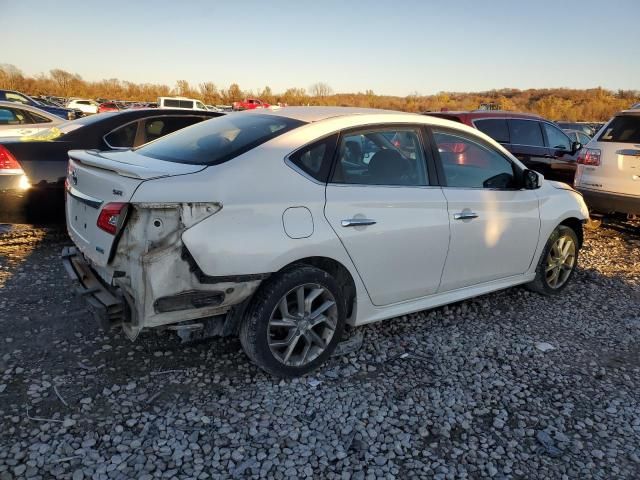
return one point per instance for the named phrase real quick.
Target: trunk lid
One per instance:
(96, 179)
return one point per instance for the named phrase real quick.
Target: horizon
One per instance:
(296, 45)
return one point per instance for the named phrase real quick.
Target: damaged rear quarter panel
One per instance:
(150, 255)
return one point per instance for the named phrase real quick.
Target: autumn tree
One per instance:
(233, 94)
(209, 93)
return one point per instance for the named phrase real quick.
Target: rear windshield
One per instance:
(622, 129)
(218, 140)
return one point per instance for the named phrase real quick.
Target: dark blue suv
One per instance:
(11, 96)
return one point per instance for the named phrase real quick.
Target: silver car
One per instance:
(17, 120)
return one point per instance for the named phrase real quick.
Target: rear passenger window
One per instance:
(315, 160)
(496, 128)
(158, 127)
(381, 157)
(122, 137)
(36, 118)
(471, 164)
(623, 129)
(526, 132)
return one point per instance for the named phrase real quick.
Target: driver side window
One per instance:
(470, 164)
(389, 156)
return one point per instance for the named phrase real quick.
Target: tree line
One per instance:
(594, 104)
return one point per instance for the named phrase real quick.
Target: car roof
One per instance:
(473, 114)
(316, 114)
(29, 108)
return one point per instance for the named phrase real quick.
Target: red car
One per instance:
(250, 104)
(108, 107)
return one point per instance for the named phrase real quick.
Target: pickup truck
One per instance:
(250, 104)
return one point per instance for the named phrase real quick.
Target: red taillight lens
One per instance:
(589, 156)
(111, 217)
(7, 160)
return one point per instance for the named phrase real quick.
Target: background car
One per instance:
(264, 224)
(17, 120)
(608, 172)
(43, 156)
(108, 107)
(180, 102)
(13, 96)
(249, 104)
(87, 107)
(538, 143)
(581, 126)
(578, 136)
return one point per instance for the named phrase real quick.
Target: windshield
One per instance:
(218, 140)
(622, 129)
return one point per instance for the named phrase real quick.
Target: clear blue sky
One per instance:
(393, 47)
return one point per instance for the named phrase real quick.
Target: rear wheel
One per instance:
(557, 262)
(294, 322)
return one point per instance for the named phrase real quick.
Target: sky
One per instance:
(397, 47)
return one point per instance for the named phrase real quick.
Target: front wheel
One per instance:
(557, 262)
(295, 321)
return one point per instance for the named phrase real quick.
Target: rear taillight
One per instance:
(589, 156)
(8, 162)
(112, 217)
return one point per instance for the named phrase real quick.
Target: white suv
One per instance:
(86, 106)
(283, 226)
(608, 173)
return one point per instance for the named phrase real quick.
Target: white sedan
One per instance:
(283, 226)
(87, 107)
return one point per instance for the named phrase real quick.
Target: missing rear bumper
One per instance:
(108, 307)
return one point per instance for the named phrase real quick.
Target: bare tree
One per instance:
(320, 89)
(10, 76)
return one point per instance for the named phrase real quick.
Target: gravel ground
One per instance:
(463, 391)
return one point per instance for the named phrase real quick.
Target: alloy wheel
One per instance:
(302, 324)
(560, 261)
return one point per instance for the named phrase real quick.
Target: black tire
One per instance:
(541, 284)
(254, 329)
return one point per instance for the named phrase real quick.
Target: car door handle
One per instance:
(546, 155)
(464, 216)
(357, 222)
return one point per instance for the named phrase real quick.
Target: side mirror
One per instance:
(575, 146)
(531, 180)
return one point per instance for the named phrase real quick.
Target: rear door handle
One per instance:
(357, 222)
(464, 216)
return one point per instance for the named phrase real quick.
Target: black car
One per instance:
(538, 143)
(33, 169)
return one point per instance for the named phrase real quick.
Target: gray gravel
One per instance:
(457, 392)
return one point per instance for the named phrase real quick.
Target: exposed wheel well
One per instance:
(337, 271)
(575, 224)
